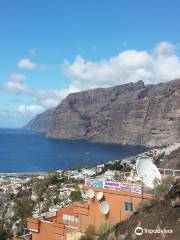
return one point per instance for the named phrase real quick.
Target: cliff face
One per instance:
(42, 122)
(128, 114)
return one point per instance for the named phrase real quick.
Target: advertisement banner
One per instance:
(94, 183)
(122, 186)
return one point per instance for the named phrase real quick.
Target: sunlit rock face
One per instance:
(132, 113)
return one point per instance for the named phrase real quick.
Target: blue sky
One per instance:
(52, 48)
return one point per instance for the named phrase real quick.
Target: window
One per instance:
(70, 218)
(128, 206)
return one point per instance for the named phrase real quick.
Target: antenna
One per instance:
(104, 207)
(100, 196)
(148, 172)
(90, 193)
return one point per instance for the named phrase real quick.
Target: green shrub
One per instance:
(76, 196)
(104, 228)
(164, 187)
(89, 234)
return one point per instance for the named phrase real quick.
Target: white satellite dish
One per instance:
(100, 196)
(148, 172)
(104, 207)
(90, 193)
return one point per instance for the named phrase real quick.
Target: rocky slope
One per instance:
(42, 122)
(172, 161)
(132, 113)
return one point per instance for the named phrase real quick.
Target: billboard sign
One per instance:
(121, 186)
(94, 183)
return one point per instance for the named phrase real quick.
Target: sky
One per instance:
(49, 49)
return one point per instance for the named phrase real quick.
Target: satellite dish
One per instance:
(100, 196)
(104, 207)
(90, 193)
(148, 172)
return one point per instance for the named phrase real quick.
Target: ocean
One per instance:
(23, 151)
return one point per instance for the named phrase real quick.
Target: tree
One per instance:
(23, 209)
(164, 187)
(76, 196)
(53, 178)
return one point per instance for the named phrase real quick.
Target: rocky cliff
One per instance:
(42, 122)
(132, 113)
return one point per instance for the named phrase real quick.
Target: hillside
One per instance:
(172, 161)
(132, 113)
(42, 122)
(165, 214)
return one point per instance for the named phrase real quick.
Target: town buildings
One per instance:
(70, 222)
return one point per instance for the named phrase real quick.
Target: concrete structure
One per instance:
(71, 222)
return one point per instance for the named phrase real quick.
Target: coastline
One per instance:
(153, 154)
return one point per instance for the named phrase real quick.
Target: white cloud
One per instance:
(26, 64)
(15, 87)
(46, 98)
(49, 102)
(30, 108)
(17, 77)
(165, 48)
(160, 65)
